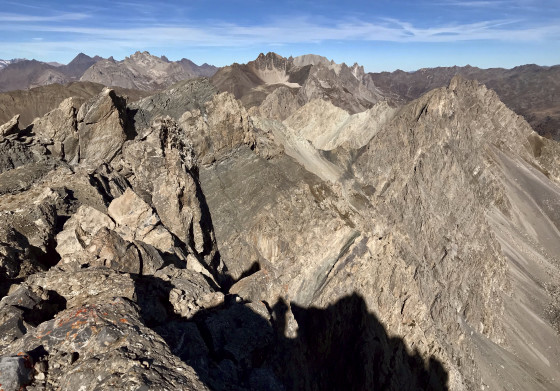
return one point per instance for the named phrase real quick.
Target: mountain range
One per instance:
(141, 71)
(285, 224)
(529, 90)
(25, 74)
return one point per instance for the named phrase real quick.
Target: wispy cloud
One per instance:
(475, 4)
(24, 18)
(302, 30)
(518, 5)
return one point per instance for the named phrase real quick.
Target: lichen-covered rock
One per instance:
(24, 309)
(87, 286)
(107, 346)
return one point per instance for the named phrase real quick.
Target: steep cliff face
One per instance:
(430, 187)
(215, 248)
(264, 81)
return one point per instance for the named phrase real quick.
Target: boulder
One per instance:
(190, 292)
(27, 231)
(24, 309)
(10, 127)
(16, 372)
(84, 287)
(79, 231)
(60, 125)
(135, 218)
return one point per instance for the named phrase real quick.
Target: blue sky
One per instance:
(379, 34)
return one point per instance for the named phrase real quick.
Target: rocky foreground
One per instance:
(179, 243)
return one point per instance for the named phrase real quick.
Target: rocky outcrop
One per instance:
(36, 102)
(10, 127)
(184, 96)
(389, 249)
(101, 128)
(279, 104)
(225, 127)
(105, 345)
(328, 127)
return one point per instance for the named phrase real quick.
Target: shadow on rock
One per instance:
(345, 347)
(243, 346)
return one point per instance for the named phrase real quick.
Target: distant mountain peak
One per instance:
(312, 59)
(144, 71)
(80, 58)
(270, 60)
(270, 55)
(144, 54)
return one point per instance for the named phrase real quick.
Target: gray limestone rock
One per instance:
(78, 234)
(184, 96)
(279, 104)
(16, 151)
(28, 230)
(60, 125)
(223, 128)
(101, 128)
(16, 372)
(160, 168)
(135, 218)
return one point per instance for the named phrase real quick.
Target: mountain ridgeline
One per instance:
(285, 224)
(141, 71)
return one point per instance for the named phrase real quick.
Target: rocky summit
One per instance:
(284, 225)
